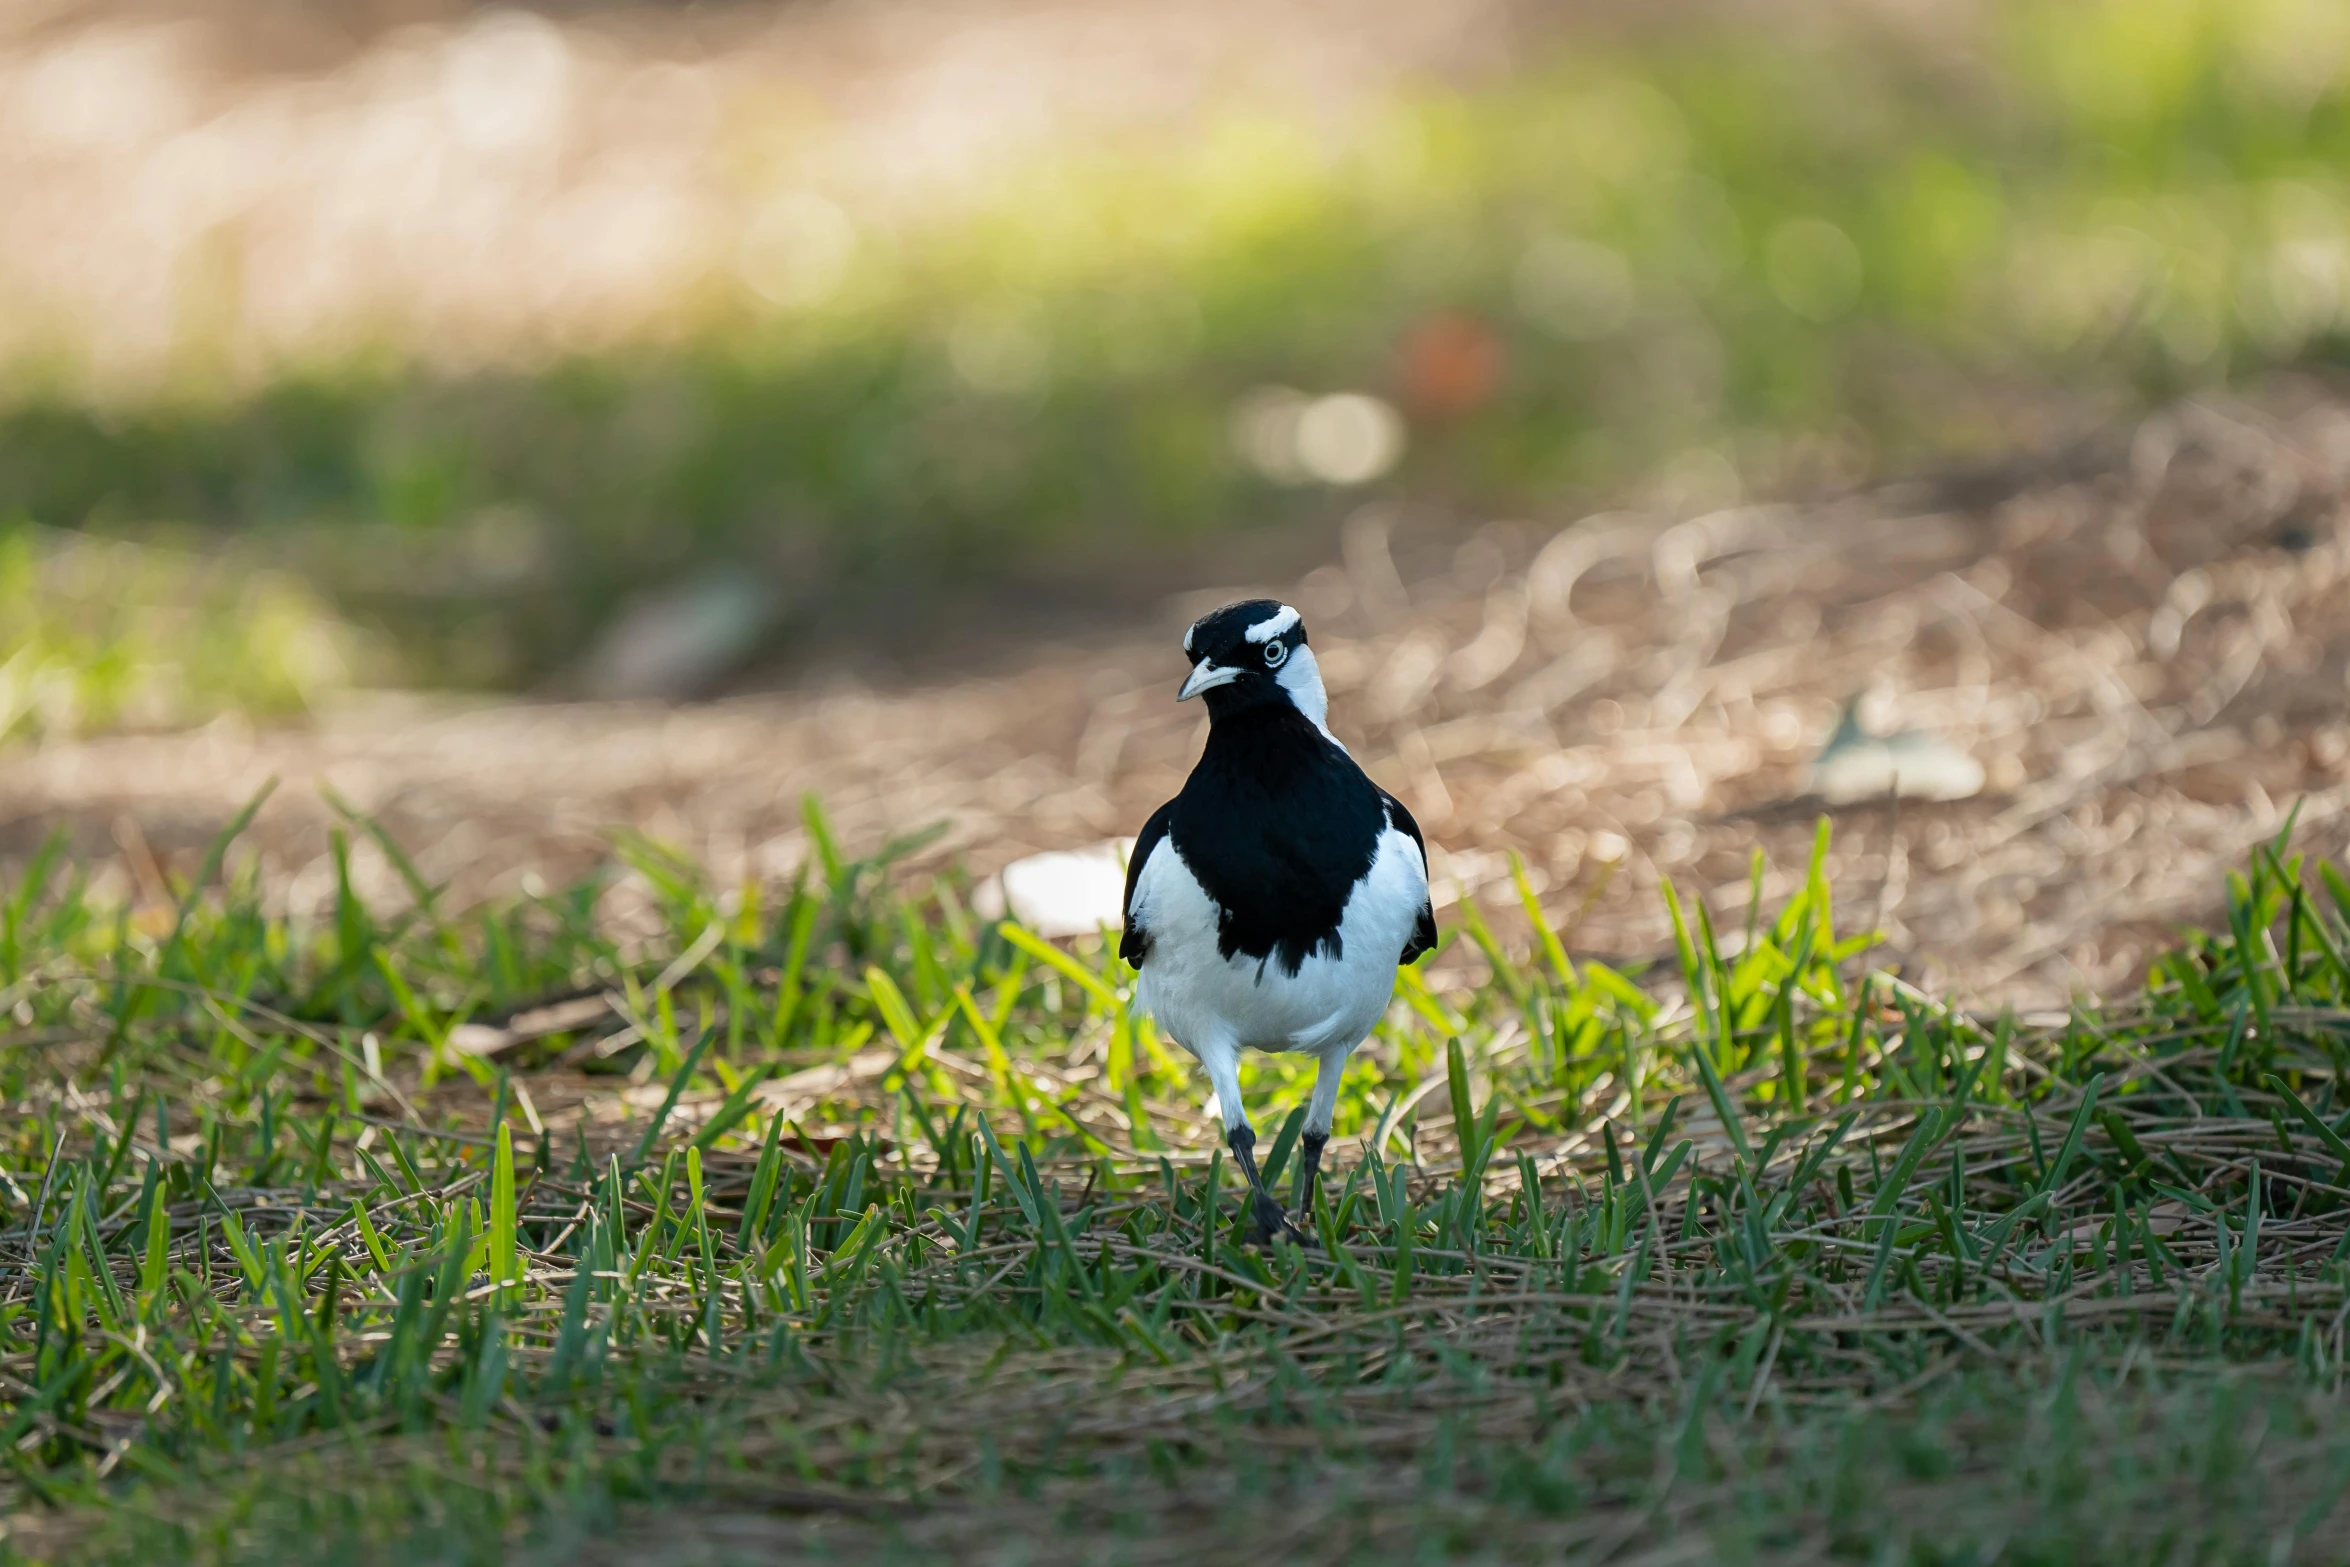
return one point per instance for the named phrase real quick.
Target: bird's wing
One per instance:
(1424, 933)
(1134, 943)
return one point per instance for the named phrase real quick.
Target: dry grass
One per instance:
(2145, 645)
(201, 190)
(1906, 1281)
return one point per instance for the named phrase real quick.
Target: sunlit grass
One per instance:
(1666, 269)
(96, 634)
(865, 1205)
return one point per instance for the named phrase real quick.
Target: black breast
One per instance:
(1279, 825)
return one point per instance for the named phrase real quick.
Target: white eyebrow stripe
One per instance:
(1272, 626)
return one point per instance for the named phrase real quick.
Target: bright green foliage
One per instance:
(915, 1214)
(1796, 251)
(95, 633)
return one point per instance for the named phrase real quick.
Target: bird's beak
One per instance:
(1206, 675)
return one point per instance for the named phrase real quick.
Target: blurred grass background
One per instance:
(1676, 263)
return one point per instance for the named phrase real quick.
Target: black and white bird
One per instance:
(1269, 904)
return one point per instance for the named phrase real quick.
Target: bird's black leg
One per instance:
(1309, 1168)
(1270, 1220)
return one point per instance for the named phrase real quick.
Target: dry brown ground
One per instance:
(2147, 650)
(223, 189)
(232, 186)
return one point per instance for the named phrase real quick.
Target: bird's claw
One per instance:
(1271, 1224)
(1289, 1232)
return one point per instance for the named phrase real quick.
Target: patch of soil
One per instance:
(2147, 648)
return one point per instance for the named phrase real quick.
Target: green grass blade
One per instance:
(677, 1085)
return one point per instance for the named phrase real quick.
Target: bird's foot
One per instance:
(1271, 1224)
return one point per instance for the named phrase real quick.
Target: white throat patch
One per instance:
(1301, 677)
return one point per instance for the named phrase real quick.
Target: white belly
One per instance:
(1212, 1004)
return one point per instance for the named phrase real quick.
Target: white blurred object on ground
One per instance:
(678, 641)
(1069, 892)
(1856, 765)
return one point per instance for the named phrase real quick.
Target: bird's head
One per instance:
(1252, 653)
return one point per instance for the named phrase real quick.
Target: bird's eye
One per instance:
(1276, 654)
